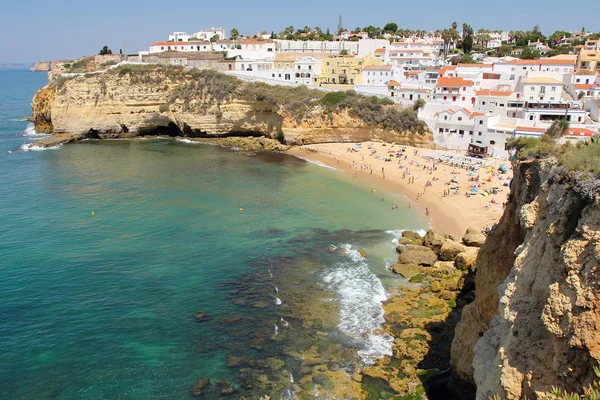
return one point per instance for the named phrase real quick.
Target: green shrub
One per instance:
(333, 98)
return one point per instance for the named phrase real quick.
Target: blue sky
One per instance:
(64, 29)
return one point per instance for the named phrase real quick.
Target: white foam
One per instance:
(188, 141)
(360, 293)
(276, 290)
(34, 147)
(277, 301)
(30, 131)
(276, 330)
(319, 163)
(397, 233)
(269, 271)
(284, 322)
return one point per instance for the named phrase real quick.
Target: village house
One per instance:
(346, 70)
(454, 90)
(541, 88)
(498, 102)
(589, 60)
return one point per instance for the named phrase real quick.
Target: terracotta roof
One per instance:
(393, 83)
(377, 68)
(453, 82)
(413, 72)
(447, 68)
(489, 92)
(581, 132)
(382, 50)
(543, 61)
(542, 79)
(530, 129)
(583, 86)
(476, 114)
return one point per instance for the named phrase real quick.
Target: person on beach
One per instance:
(426, 211)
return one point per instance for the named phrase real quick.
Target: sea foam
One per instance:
(319, 163)
(397, 234)
(360, 293)
(34, 147)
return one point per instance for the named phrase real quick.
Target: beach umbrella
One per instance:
(474, 190)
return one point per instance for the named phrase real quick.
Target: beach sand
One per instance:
(451, 214)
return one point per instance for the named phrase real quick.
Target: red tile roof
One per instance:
(453, 82)
(446, 68)
(393, 83)
(581, 132)
(583, 86)
(382, 50)
(489, 92)
(530, 129)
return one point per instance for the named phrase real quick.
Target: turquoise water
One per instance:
(101, 306)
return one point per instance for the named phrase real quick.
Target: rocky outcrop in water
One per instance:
(535, 319)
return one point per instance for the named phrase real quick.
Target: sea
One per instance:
(130, 269)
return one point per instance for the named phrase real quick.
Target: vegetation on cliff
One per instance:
(299, 102)
(580, 162)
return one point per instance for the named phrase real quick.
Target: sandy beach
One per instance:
(435, 187)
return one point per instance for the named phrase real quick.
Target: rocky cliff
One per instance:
(130, 101)
(536, 317)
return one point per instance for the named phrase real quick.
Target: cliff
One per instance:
(536, 316)
(132, 100)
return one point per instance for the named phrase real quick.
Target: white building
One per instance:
(159, 47)
(541, 88)
(456, 91)
(179, 37)
(207, 34)
(377, 75)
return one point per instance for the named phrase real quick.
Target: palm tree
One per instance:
(306, 29)
(465, 27)
(454, 25)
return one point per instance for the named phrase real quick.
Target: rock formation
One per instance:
(133, 101)
(535, 319)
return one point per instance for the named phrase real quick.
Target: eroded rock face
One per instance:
(121, 105)
(535, 319)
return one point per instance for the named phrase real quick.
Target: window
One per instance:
(273, 75)
(460, 118)
(501, 105)
(471, 133)
(483, 103)
(531, 89)
(445, 118)
(298, 67)
(287, 65)
(531, 117)
(553, 89)
(578, 80)
(463, 99)
(492, 142)
(479, 133)
(445, 98)
(481, 122)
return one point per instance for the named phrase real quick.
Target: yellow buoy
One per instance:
(93, 213)
(241, 209)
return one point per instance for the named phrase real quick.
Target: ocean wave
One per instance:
(188, 141)
(30, 131)
(319, 163)
(397, 233)
(34, 147)
(360, 293)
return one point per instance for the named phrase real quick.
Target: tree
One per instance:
(214, 38)
(105, 50)
(390, 27)
(340, 26)
(558, 129)
(420, 103)
(467, 44)
(529, 53)
(504, 50)
(454, 25)
(343, 52)
(234, 34)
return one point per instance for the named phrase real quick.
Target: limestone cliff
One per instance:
(536, 317)
(131, 101)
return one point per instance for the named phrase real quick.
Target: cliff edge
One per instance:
(130, 101)
(536, 316)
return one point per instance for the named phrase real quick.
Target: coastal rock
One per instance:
(362, 253)
(419, 255)
(474, 238)
(466, 260)
(434, 241)
(202, 316)
(450, 249)
(534, 322)
(404, 241)
(406, 270)
(199, 388)
(231, 318)
(413, 236)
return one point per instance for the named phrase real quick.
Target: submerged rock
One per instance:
(362, 253)
(230, 319)
(202, 316)
(199, 388)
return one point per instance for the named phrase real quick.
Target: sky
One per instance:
(36, 30)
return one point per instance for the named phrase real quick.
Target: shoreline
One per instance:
(452, 214)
